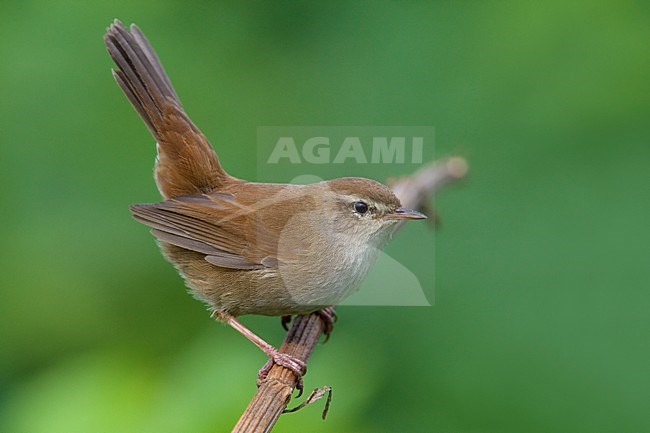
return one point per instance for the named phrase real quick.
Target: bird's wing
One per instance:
(230, 233)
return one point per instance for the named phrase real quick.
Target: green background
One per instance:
(542, 302)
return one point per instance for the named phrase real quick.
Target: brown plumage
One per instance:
(246, 247)
(186, 162)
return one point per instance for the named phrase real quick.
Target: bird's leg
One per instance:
(294, 364)
(328, 316)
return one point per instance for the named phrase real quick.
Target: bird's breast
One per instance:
(329, 273)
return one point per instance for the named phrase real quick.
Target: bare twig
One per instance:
(316, 395)
(416, 190)
(274, 392)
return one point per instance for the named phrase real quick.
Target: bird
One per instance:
(246, 247)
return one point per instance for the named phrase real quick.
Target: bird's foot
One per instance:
(328, 316)
(285, 320)
(298, 367)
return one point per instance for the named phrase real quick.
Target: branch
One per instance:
(416, 190)
(274, 393)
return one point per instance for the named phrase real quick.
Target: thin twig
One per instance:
(316, 395)
(275, 391)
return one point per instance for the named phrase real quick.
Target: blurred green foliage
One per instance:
(541, 313)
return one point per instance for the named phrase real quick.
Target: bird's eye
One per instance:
(360, 207)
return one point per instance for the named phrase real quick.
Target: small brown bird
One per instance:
(247, 247)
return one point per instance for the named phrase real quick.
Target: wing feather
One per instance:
(217, 225)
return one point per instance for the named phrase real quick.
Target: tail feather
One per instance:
(186, 162)
(140, 80)
(154, 61)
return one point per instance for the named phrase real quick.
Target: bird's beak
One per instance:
(402, 213)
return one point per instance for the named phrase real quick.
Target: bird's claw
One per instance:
(285, 322)
(297, 366)
(328, 316)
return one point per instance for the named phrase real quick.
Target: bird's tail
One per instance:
(186, 162)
